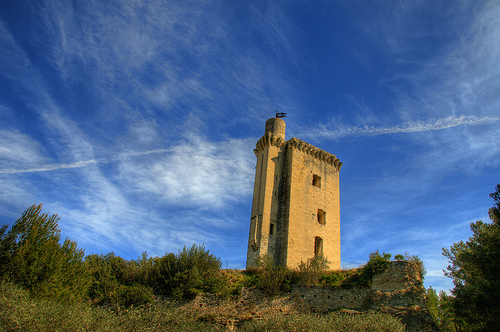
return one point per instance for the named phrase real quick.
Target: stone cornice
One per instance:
(268, 139)
(315, 152)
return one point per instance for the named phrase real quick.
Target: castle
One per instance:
(296, 203)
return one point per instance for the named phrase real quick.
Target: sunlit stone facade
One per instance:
(296, 204)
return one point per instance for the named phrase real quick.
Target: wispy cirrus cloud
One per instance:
(82, 163)
(203, 173)
(19, 149)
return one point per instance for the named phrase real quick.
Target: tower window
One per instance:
(318, 246)
(271, 229)
(321, 217)
(317, 181)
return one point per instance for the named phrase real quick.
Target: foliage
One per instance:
(124, 283)
(19, 312)
(376, 264)
(342, 278)
(22, 313)
(416, 260)
(332, 322)
(272, 279)
(310, 272)
(117, 281)
(33, 257)
(192, 271)
(441, 310)
(475, 270)
(399, 257)
(232, 282)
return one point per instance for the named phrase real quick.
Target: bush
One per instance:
(342, 278)
(272, 279)
(309, 273)
(134, 295)
(416, 260)
(33, 257)
(399, 257)
(375, 265)
(192, 271)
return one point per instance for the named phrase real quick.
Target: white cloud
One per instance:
(196, 173)
(19, 150)
(82, 163)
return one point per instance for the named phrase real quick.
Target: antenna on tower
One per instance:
(280, 115)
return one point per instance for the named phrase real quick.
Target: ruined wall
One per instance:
(397, 291)
(399, 275)
(399, 286)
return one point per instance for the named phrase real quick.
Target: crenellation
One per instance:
(269, 139)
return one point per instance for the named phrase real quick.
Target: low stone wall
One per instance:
(398, 291)
(322, 299)
(327, 298)
(399, 286)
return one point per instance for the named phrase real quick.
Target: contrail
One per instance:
(82, 163)
(409, 127)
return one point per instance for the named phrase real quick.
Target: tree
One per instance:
(475, 270)
(33, 257)
(441, 309)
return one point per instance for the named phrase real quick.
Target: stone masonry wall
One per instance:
(398, 291)
(399, 286)
(399, 275)
(326, 298)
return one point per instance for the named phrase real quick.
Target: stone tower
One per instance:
(296, 203)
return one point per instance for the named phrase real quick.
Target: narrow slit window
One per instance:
(321, 217)
(271, 229)
(317, 181)
(318, 246)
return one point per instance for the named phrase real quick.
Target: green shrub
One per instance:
(33, 257)
(309, 273)
(272, 279)
(399, 257)
(415, 259)
(134, 295)
(375, 265)
(192, 271)
(342, 278)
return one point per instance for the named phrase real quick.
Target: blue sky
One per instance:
(135, 121)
